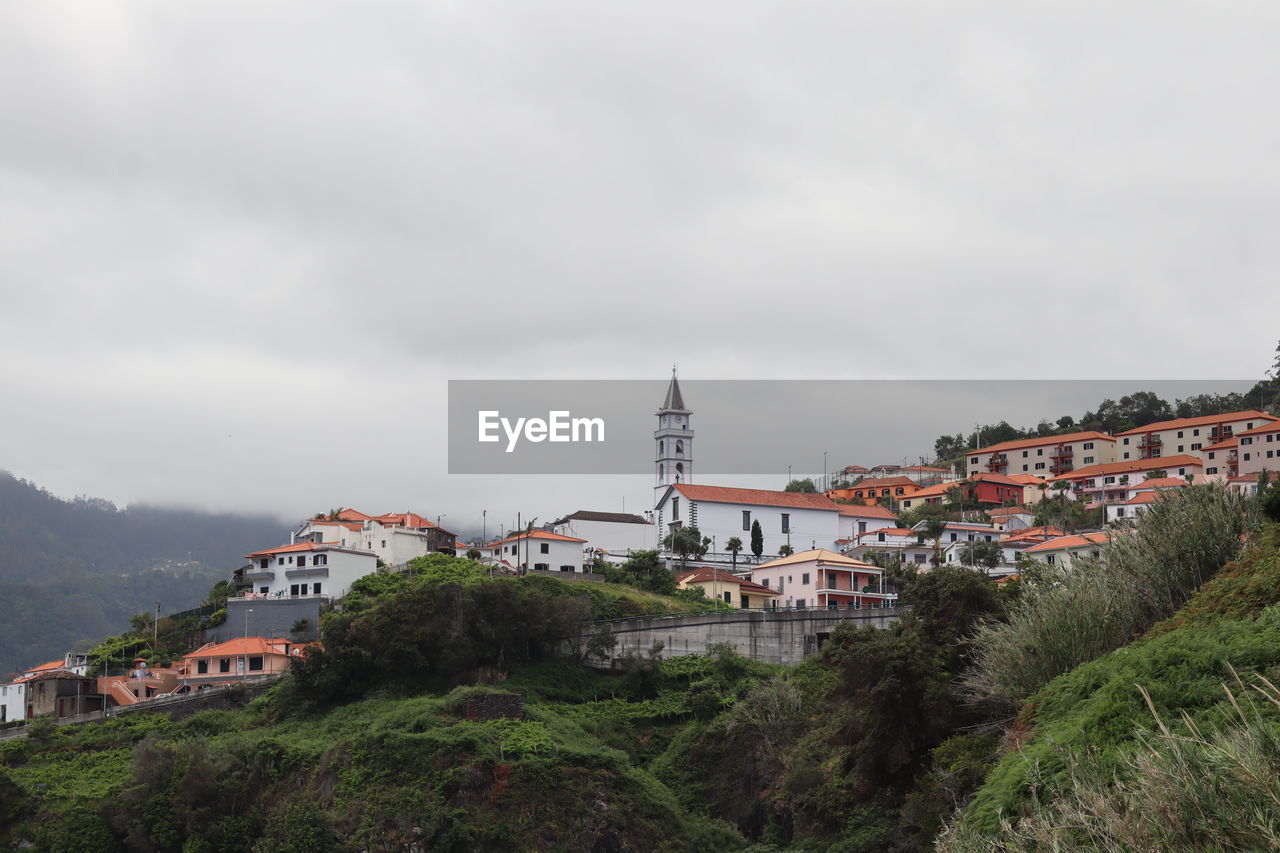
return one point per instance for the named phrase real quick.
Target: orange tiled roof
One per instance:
(864, 511)
(244, 646)
(1009, 510)
(1027, 479)
(536, 534)
(758, 497)
(1159, 483)
(710, 575)
(1271, 427)
(301, 546)
(1024, 443)
(1226, 444)
(822, 557)
(940, 490)
(1075, 541)
(891, 531)
(1182, 423)
(1132, 465)
(46, 667)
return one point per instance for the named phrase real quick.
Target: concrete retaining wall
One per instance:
(771, 636)
(271, 617)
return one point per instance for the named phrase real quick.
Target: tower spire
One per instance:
(674, 401)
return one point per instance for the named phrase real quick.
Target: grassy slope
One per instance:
(1093, 712)
(387, 770)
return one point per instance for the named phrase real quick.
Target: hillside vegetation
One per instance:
(1171, 742)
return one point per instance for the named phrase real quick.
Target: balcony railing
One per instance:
(1150, 441)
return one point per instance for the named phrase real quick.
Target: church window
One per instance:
(679, 447)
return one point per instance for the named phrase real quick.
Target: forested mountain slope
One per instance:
(76, 570)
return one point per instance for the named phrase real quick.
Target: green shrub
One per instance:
(1075, 615)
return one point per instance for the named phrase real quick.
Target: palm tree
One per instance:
(933, 529)
(733, 546)
(785, 551)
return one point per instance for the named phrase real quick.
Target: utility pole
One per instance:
(155, 630)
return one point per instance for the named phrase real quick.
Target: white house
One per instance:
(13, 700)
(395, 537)
(856, 519)
(798, 519)
(616, 534)
(540, 550)
(822, 578)
(1063, 550)
(899, 543)
(307, 568)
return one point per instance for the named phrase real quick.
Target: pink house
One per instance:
(822, 578)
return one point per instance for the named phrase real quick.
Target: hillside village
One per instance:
(999, 509)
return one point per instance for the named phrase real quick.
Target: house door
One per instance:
(240, 666)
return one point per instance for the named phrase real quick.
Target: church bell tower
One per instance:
(673, 441)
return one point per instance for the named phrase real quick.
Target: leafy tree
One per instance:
(474, 554)
(986, 555)
(757, 538)
(806, 485)
(1157, 474)
(685, 541)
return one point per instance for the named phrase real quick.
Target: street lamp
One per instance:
(246, 621)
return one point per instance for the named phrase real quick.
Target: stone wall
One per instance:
(770, 636)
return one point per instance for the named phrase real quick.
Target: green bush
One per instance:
(1075, 615)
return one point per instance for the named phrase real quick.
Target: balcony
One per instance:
(879, 595)
(1060, 467)
(998, 461)
(1150, 441)
(1062, 453)
(259, 574)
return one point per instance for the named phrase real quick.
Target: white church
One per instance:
(801, 521)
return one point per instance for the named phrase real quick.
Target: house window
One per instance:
(1049, 559)
(320, 560)
(1088, 460)
(224, 665)
(1039, 466)
(202, 667)
(315, 589)
(1088, 445)
(728, 597)
(800, 603)
(1126, 441)
(675, 509)
(746, 519)
(255, 663)
(919, 559)
(804, 578)
(862, 527)
(1126, 454)
(568, 569)
(1120, 512)
(542, 567)
(293, 589)
(384, 543)
(786, 522)
(302, 561)
(265, 562)
(264, 589)
(544, 547)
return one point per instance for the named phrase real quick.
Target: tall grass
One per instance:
(1069, 616)
(1193, 788)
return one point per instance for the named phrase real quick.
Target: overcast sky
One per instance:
(245, 245)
